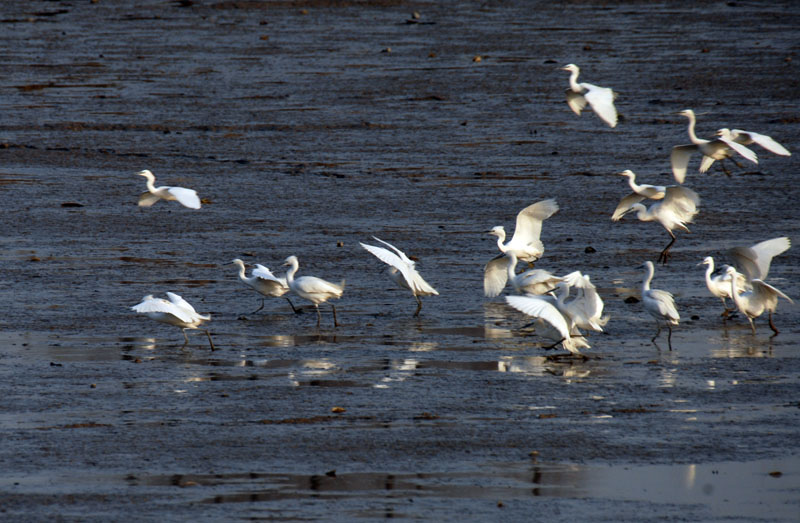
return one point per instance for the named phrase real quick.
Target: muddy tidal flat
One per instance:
(307, 127)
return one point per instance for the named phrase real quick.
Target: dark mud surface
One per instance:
(310, 126)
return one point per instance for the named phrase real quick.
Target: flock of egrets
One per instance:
(561, 306)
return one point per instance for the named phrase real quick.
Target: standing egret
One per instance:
(316, 290)
(660, 304)
(678, 208)
(186, 197)
(754, 261)
(712, 150)
(601, 99)
(402, 271)
(749, 138)
(640, 193)
(265, 283)
(719, 284)
(525, 244)
(762, 297)
(176, 311)
(551, 322)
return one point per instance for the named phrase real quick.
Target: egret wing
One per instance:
(741, 149)
(529, 221)
(602, 101)
(162, 306)
(665, 304)
(186, 197)
(576, 101)
(766, 292)
(400, 253)
(263, 273)
(625, 205)
(746, 137)
(186, 306)
(495, 275)
(539, 307)
(682, 199)
(146, 199)
(755, 261)
(679, 159)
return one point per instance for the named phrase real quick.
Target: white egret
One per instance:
(754, 261)
(749, 138)
(532, 281)
(176, 311)
(601, 99)
(762, 297)
(525, 244)
(265, 283)
(186, 197)
(586, 307)
(316, 290)
(402, 271)
(640, 193)
(659, 304)
(551, 322)
(712, 150)
(719, 284)
(678, 208)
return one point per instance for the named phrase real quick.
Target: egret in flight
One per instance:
(659, 304)
(402, 271)
(711, 150)
(762, 297)
(678, 208)
(186, 197)
(749, 138)
(525, 244)
(176, 311)
(601, 99)
(316, 290)
(719, 284)
(265, 283)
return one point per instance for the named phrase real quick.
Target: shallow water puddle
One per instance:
(728, 489)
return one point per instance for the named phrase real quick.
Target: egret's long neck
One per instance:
(632, 182)
(242, 275)
(501, 237)
(151, 182)
(563, 294)
(290, 272)
(738, 300)
(573, 81)
(692, 136)
(648, 278)
(709, 270)
(512, 267)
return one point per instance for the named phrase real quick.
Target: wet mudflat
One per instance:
(310, 126)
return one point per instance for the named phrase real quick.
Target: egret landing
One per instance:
(176, 311)
(402, 271)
